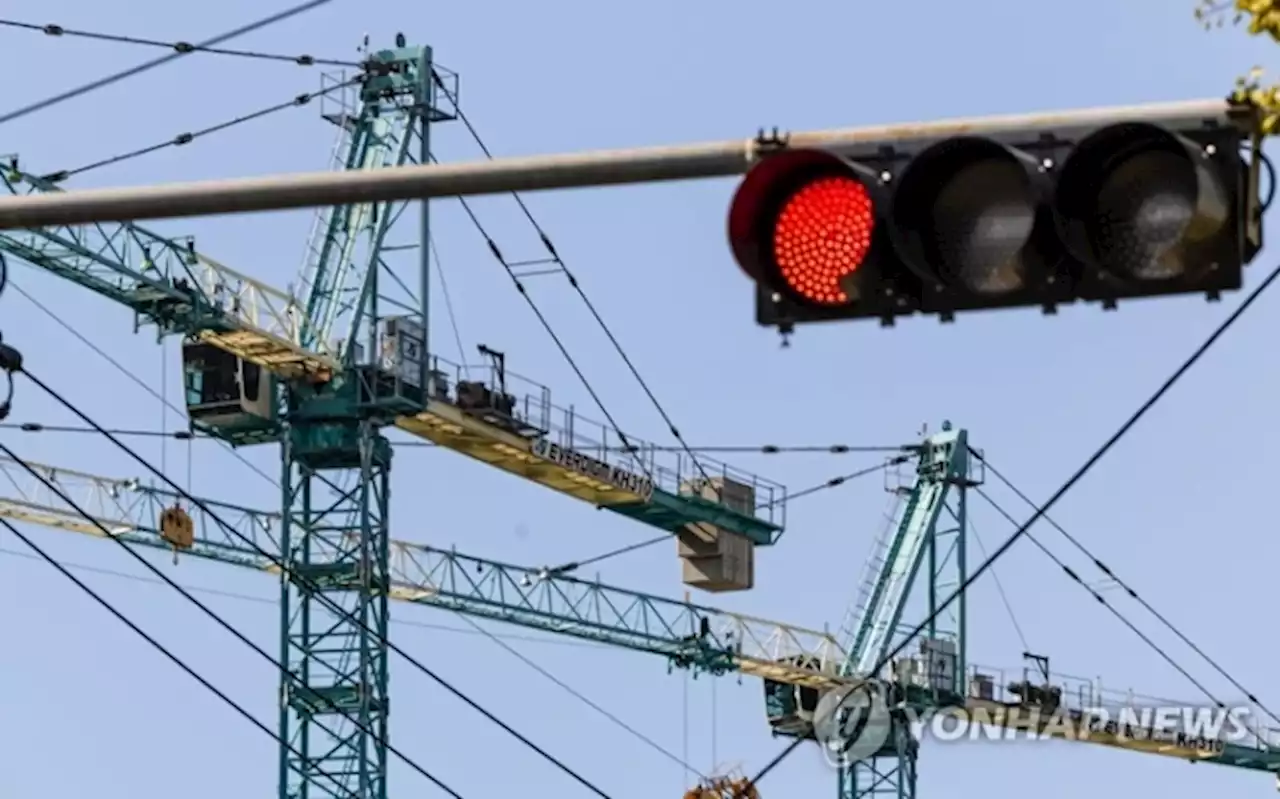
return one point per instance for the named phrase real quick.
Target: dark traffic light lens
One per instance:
(821, 236)
(965, 215)
(1144, 209)
(1138, 201)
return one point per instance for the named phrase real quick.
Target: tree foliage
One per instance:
(1263, 18)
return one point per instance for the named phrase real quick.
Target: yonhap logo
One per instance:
(852, 723)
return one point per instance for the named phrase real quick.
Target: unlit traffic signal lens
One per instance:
(821, 236)
(1142, 204)
(966, 215)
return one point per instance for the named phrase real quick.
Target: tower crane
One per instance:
(922, 553)
(323, 371)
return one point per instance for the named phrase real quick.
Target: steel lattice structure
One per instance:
(322, 372)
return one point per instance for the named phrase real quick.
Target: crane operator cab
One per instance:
(227, 397)
(790, 708)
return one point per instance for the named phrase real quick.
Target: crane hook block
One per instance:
(177, 528)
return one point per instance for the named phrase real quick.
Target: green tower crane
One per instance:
(322, 372)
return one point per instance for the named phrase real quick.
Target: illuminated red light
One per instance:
(822, 235)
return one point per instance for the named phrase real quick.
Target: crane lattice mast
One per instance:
(323, 371)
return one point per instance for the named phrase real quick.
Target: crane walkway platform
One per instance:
(510, 422)
(1083, 710)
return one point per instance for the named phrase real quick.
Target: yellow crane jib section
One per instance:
(1073, 709)
(539, 460)
(510, 422)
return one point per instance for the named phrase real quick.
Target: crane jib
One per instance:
(587, 466)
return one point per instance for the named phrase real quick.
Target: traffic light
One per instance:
(1031, 215)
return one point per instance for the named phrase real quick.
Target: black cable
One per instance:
(221, 622)
(179, 47)
(138, 381)
(187, 435)
(186, 138)
(159, 647)
(320, 595)
(774, 449)
(1133, 594)
(577, 287)
(574, 565)
(835, 482)
(1040, 510)
(555, 338)
(34, 427)
(1074, 577)
(150, 65)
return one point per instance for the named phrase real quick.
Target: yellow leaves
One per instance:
(1250, 91)
(1264, 18)
(1263, 15)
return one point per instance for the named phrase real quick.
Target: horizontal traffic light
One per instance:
(1012, 219)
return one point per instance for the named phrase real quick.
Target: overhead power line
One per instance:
(161, 648)
(159, 62)
(1133, 594)
(572, 363)
(204, 608)
(1098, 597)
(558, 262)
(36, 427)
(1040, 510)
(501, 639)
(187, 435)
(320, 596)
(263, 600)
(178, 47)
(138, 381)
(186, 138)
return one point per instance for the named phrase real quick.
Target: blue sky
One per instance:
(1177, 508)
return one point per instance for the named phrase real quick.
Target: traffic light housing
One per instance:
(1028, 216)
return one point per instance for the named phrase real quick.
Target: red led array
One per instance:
(822, 235)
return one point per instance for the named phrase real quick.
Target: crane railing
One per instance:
(690, 635)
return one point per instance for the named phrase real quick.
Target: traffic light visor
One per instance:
(802, 223)
(966, 215)
(1141, 203)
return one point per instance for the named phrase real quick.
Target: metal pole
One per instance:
(599, 168)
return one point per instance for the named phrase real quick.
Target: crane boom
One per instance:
(687, 634)
(691, 635)
(940, 465)
(168, 283)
